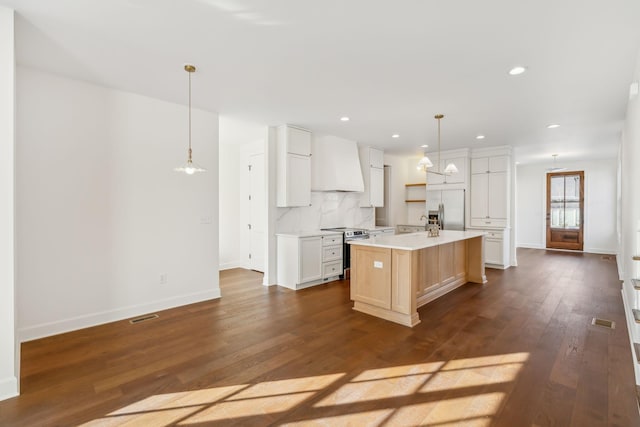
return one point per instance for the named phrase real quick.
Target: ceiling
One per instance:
(388, 65)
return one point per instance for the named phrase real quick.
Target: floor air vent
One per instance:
(143, 318)
(607, 258)
(610, 324)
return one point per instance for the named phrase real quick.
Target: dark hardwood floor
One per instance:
(517, 351)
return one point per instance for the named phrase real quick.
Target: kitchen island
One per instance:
(391, 276)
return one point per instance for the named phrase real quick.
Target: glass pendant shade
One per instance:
(190, 167)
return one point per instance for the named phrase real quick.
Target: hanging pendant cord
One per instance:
(189, 117)
(438, 142)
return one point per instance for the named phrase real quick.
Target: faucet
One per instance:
(426, 223)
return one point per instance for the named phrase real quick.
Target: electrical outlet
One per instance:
(163, 278)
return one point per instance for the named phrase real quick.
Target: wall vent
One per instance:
(143, 318)
(609, 324)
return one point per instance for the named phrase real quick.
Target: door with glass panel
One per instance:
(565, 210)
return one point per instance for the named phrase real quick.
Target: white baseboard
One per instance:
(8, 388)
(599, 251)
(94, 319)
(585, 250)
(230, 265)
(530, 245)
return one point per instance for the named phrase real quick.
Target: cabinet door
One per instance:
(376, 158)
(456, 178)
(480, 165)
(498, 164)
(432, 178)
(493, 251)
(498, 195)
(310, 260)
(298, 180)
(376, 187)
(479, 195)
(298, 141)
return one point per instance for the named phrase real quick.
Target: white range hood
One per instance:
(335, 164)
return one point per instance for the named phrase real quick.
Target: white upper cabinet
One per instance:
(376, 158)
(490, 191)
(458, 180)
(490, 164)
(372, 163)
(294, 167)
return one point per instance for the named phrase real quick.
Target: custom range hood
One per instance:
(335, 164)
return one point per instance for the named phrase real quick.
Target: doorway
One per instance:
(565, 210)
(257, 212)
(383, 213)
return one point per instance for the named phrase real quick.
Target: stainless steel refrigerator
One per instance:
(447, 208)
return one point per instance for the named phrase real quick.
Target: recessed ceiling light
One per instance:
(553, 126)
(344, 119)
(517, 70)
(480, 137)
(395, 135)
(424, 146)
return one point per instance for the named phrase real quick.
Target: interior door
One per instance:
(257, 214)
(565, 210)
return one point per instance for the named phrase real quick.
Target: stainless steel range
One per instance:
(347, 235)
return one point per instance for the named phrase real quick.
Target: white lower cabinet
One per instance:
(496, 248)
(331, 256)
(308, 260)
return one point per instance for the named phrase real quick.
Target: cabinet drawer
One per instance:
(495, 235)
(332, 240)
(331, 269)
(330, 253)
(488, 222)
(409, 228)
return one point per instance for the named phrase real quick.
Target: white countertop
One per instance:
(415, 241)
(309, 233)
(382, 227)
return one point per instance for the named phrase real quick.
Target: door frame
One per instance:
(579, 246)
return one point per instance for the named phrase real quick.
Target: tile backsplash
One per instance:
(326, 210)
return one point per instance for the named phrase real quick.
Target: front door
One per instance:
(565, 210)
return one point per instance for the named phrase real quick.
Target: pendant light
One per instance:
(425, 163)
(555, 168)
(190, 167)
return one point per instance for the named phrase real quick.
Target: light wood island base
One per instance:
(393, 282)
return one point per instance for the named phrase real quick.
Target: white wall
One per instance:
(9, 351)
(100, 212)
(397, 196)
(600, 189)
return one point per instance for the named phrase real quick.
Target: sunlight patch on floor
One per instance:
(467, 392)
(475, 410)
